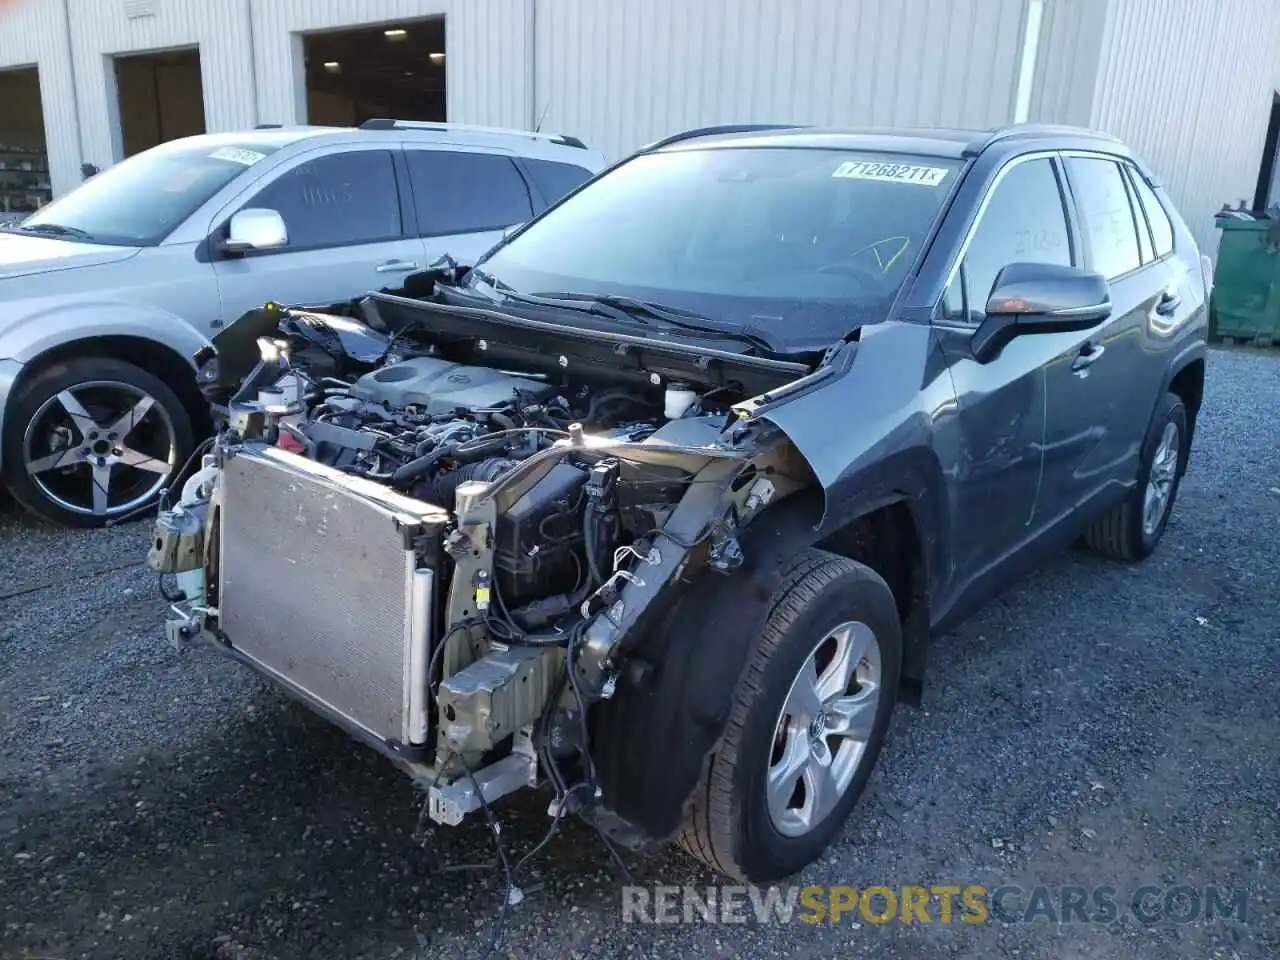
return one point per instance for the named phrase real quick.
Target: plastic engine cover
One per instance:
(441, 386)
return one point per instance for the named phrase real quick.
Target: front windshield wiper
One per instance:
(637, 309)
(55, 230)
(625, 310)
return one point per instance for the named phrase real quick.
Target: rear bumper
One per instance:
(9, 371)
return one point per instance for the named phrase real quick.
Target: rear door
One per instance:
(348, 234)
(464, 199)
(1100, 396)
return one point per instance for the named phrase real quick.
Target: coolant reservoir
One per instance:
(677, 400)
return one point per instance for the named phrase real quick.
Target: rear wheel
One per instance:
(93, 439)
(806, 726)
(1134, 527)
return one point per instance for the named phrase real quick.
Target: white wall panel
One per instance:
(1189, 84)
(34, 33)
(486, 52)
(102, 28)
(619, 74)
(1067, 61)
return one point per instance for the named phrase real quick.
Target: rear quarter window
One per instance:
(1161, 227)
(554, 180)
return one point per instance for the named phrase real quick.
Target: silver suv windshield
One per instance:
(801, 244)
(140, 201)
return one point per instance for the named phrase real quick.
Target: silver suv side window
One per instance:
(1024, 222)
(456, 192)
(336, 200)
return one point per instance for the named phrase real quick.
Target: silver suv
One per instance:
(107, 294)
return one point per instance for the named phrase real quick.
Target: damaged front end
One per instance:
(450, 530)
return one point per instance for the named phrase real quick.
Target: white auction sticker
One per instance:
(237, 155)
(892, 172)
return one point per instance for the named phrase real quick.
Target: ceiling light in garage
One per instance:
(436, 58)
(396, 34)
(333, 66)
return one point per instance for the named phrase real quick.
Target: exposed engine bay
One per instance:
(448, 530)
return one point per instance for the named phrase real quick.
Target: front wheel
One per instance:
(93, 439)
(806, 726)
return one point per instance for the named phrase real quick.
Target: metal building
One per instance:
(1192, 84)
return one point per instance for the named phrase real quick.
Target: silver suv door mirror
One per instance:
(255, 228)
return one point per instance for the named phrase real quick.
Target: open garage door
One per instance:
(161, 98)
(24, 161)
(393, 70)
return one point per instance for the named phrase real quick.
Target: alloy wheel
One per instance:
(100, 448)
(1164, 470)
(823, 729)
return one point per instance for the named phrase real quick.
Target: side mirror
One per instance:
(255, 228)
(1030, 298)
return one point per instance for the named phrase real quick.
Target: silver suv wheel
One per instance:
(100, 448)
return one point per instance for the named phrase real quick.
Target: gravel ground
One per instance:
(1100, 725)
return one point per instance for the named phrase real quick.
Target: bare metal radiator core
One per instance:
(321, 588)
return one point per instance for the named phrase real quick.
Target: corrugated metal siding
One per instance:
(1189, 85)
(1071, 36)
(622, 74)
(486, 52)
(100, 28)
(35, 33)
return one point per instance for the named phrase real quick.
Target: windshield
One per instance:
(142, 200)
(803, 243)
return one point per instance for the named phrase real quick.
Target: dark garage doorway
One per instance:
(160, 98)
(24, 158)
(391, 70)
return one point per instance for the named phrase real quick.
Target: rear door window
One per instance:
(553, 179)
(1107, 214)
(457, 192)
(1161, 227)
(336, 200)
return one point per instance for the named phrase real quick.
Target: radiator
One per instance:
(321, 589)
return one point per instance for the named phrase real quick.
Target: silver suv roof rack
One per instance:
(386, 123)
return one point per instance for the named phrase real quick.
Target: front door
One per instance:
(347, 236)
(1003, 405)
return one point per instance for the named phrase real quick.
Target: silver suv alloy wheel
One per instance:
(100, 448)
(822, 731)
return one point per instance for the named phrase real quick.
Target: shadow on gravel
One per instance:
(283, 831)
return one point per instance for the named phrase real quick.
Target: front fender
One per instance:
(25, 340)
(37, 331)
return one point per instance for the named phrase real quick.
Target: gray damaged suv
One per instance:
(661, 503)
(106, 294)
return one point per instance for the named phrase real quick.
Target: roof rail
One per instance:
(1027, 130)
(386, 123)
(721, 129)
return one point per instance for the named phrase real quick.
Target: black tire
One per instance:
(166, 414)
(1122, 533)
(730, 827)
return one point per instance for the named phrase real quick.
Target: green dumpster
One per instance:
(1245, 305)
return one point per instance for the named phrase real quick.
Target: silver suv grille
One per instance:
(320, 589)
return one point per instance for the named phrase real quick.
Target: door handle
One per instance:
(1167, 303)
(398, 266)
(1087, 356)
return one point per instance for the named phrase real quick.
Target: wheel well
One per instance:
(888, 541)
(1188, 384)
(157, 359)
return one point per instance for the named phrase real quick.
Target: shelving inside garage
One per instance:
(24, 160)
